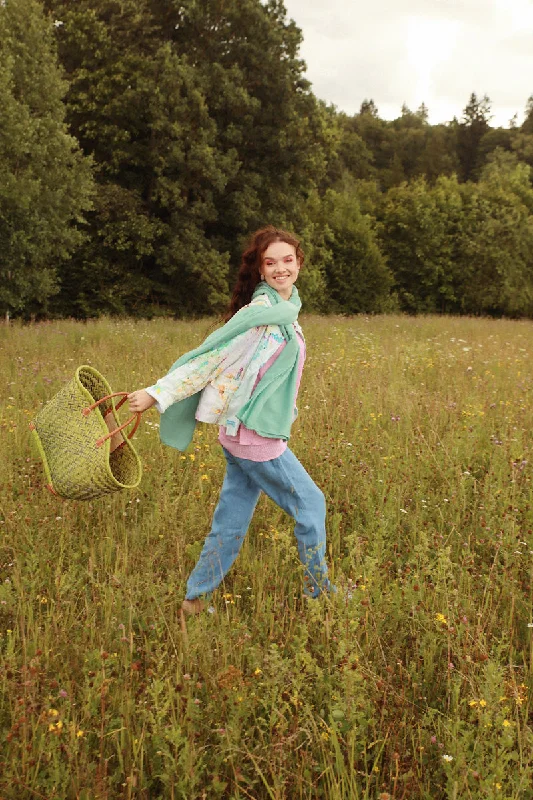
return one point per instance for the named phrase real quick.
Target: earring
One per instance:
(262, 277)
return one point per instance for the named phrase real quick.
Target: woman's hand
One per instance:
(140, 401)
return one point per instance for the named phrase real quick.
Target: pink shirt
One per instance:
(248, 444)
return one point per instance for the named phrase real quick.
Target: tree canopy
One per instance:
(142, 140)
(46, 182)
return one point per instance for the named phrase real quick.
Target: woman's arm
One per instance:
(190, 378)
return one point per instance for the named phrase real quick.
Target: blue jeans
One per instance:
(287, 483)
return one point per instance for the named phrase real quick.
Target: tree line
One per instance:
(142, 140)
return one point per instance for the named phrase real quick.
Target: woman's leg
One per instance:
(238, 499)
(286, 482)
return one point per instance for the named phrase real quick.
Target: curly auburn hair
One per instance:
(249, 273)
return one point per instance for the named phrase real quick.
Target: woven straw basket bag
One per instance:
(78, 436)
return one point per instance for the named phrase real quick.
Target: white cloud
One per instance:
(413, 51)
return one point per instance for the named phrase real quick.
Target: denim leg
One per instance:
(288, 484)
(236, 505)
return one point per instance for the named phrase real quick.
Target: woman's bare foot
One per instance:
(191, 607)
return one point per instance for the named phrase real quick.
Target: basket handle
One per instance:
(136, 417)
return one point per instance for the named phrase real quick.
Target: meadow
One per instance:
(413, 681)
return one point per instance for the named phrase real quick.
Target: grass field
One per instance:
(414, 681)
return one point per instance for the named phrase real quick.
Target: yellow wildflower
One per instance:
(482, 703)
(55, 727)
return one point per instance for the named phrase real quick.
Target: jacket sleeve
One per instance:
(194, 376)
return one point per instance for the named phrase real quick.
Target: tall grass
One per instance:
(414, 681)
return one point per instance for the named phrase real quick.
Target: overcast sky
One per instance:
(413, 51)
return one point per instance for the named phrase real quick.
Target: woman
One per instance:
(245, 378)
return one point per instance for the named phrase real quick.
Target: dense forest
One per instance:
(142, 140)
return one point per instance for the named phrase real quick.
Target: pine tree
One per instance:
(527, 125)
(469, 132)
(370, 108)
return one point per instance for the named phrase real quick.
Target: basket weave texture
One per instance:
(75, 467)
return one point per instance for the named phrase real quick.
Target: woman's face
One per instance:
(280, 267)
